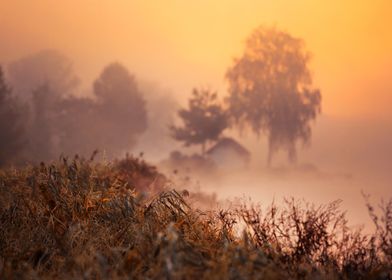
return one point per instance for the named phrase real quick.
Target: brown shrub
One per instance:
(80, 219)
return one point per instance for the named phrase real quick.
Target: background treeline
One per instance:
(270, 91)
(42, 117)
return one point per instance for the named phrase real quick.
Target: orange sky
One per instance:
(182, 44)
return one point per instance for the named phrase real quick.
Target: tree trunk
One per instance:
(203, 148)
(292, 154)
(270, 152)
(269, 157)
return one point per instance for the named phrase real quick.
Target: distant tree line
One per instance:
(43, 118)
(270, 91)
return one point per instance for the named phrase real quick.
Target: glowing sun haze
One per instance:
(182, 44)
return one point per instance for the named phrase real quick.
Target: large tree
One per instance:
(111, 122)
(12, 137)
(271, 90)
(204, 120)
(79, 130)
(43, 124)
(121, 109)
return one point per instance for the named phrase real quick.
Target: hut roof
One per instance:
(229, 143)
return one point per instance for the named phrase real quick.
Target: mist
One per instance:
(61, 65)
(347, 157)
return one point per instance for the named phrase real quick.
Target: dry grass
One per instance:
(81, 219)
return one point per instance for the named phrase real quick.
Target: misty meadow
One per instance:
(148, 143)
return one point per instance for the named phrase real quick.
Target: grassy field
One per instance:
(81, 219)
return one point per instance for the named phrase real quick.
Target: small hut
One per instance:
(229, 154)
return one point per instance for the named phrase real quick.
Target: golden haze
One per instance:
(182, 44)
